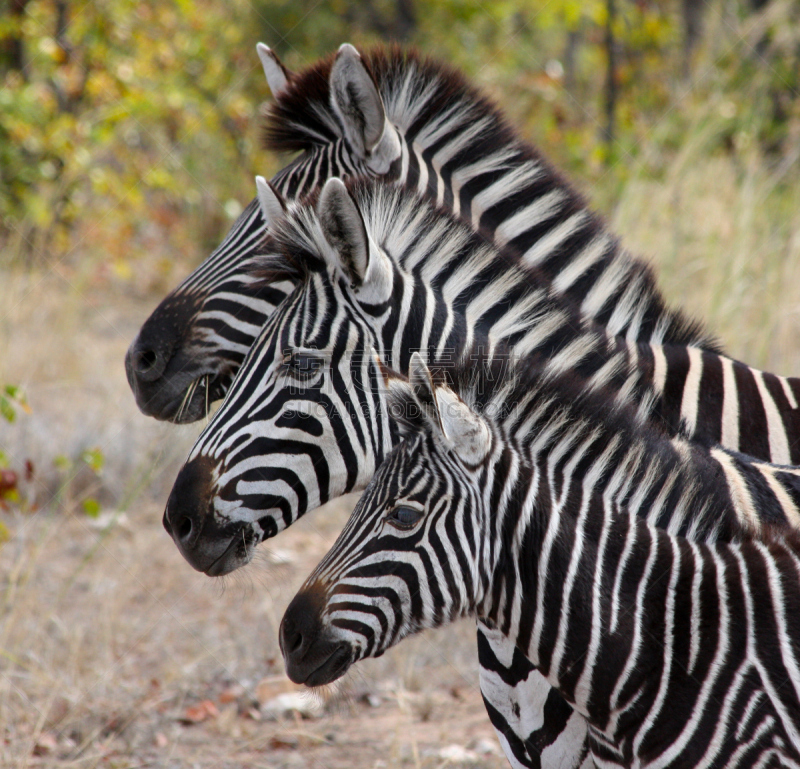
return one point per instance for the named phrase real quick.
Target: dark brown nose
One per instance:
(161, 362)
(312, 655)
(209, 545)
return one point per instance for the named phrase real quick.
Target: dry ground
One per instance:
(114, 653)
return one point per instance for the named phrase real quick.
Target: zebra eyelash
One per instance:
(304, 363)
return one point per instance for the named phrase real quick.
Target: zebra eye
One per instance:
(404, 518)
(302, 364)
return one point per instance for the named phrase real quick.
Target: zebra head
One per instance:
(188, 351)
(304, 423)
(412, 556)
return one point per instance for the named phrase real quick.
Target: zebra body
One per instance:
(305, 423)
(384, 116)
(573, 535)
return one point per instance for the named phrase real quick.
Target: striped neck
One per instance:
(466, 156)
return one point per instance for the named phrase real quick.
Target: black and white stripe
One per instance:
(410, 120)
(571, 531)
(304, 421)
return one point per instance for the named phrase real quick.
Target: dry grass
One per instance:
(725, 241)
(107, 636)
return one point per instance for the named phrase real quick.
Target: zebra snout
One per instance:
(211, 546)
(311, 654)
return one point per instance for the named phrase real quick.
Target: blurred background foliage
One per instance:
(129, 131)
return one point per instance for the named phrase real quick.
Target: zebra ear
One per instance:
(272, 204)
(462, 430)
(277, 75)
(401, 402)
(421, 380)
(355, 99)
(344, 229)
(367, 268)
(465, 431)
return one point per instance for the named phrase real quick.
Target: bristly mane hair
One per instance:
(405, 223)
(415, 91)
(278, 262)
(567, 407)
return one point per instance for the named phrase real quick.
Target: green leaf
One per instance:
(95, 459)
(6, 409)
(91, 507)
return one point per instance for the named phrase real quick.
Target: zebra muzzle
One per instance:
(312, 655)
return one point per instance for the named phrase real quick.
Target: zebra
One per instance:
(403, 118)
(304, 421)
(560, 523)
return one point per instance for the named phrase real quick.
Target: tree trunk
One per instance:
(15, 58)
(692, 31)
(611, 75)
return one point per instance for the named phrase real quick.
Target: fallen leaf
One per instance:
(284, 743)
(231, 694)
(46, 743)
(203, 711)
(161, 740)
(8, 481)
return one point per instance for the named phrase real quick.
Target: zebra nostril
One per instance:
(184, 528)
(296, 642)
(145, 361)
(291, 637)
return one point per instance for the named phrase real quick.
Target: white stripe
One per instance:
(786, 502)
(498, 190)
(671, 755)
(696, 616)
(543, 208)
(665, 670)
(789, 723)
(787, 641)
(730, 406)
(691, 389)
(591, 253)
(740, 494)
(787, 389)
(543, 247)
(608, 282)
(659, 369)
(778, 444)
